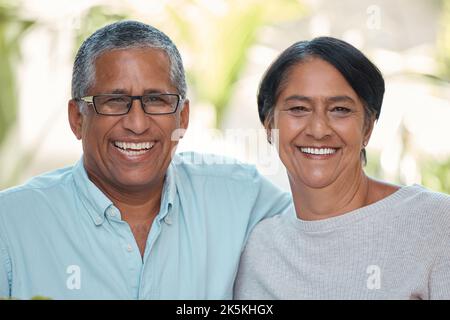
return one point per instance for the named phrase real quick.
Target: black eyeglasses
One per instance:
(119, 104)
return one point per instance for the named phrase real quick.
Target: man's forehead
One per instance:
(132, 53)
(132, 71)
(149, 63)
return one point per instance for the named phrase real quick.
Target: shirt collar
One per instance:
(168, 194)
(96, 202)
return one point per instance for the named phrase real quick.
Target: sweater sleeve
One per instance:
(269, 201)
(439, 285)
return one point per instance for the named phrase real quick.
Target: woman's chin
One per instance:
(311, 182)
(320, 184)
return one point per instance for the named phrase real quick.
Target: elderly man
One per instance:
(131, 220)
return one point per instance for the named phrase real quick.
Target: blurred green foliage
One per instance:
(436, 175)
(220, 40)
(373, 166)
(12, 29)
(444, 40)
(95, 18)
(218, 43)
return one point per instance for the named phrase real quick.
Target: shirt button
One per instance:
(112, 211)
(168, 220)
(98, 220)
(129, 248)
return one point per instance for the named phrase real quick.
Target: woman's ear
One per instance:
(368, 130)
(268, 126)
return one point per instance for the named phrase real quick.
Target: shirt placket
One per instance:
(129, 249)
(150, 271)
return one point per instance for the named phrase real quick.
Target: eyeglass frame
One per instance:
(90, 100)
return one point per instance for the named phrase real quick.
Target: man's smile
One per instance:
(134, 148)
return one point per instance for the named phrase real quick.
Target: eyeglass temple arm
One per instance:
(88, 99)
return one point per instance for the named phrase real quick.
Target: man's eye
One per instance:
(116, 100)
(155, 100)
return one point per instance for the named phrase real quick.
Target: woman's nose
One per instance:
(318, 126)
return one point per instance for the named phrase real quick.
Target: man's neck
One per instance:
(136, 205)
(342, 196)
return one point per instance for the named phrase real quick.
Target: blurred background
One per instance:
(226, 46)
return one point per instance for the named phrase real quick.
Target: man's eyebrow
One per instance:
(150, 91)
(119, 91)
(147, 91)
(343, 98)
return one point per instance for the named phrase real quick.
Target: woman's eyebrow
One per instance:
(340, 98)
(297, 97)
(343, 98)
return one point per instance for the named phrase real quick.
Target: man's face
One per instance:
(147, 138)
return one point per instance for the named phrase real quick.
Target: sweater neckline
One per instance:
(384, 205)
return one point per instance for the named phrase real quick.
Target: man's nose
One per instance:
(318, 126)
(136, 120)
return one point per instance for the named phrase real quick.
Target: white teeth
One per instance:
(318, 151)
(134, 147)
(133, 153)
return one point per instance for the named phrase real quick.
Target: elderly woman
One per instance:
(351, 236)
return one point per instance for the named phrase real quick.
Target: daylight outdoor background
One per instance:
(226, 46)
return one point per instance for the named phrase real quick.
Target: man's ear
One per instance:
(75, 118)
(184, 115)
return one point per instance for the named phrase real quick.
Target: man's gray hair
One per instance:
(123, 35)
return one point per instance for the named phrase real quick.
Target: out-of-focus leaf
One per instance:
(95, 18)
(444, 41)
(220, 39)
(12, 29)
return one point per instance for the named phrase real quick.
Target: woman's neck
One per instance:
(343, 195)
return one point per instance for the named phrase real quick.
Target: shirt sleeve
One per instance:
(5, 271)
(439, 284)
(270, 201)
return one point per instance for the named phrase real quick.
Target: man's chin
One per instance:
(138, 183)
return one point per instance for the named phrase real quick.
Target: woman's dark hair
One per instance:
(362, 75)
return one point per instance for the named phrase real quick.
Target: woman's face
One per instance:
(321, 125)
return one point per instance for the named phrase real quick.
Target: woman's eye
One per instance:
(341, 110)
(297, 110)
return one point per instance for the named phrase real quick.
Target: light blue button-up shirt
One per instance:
(61, 237)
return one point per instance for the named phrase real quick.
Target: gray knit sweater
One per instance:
(396, 248)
